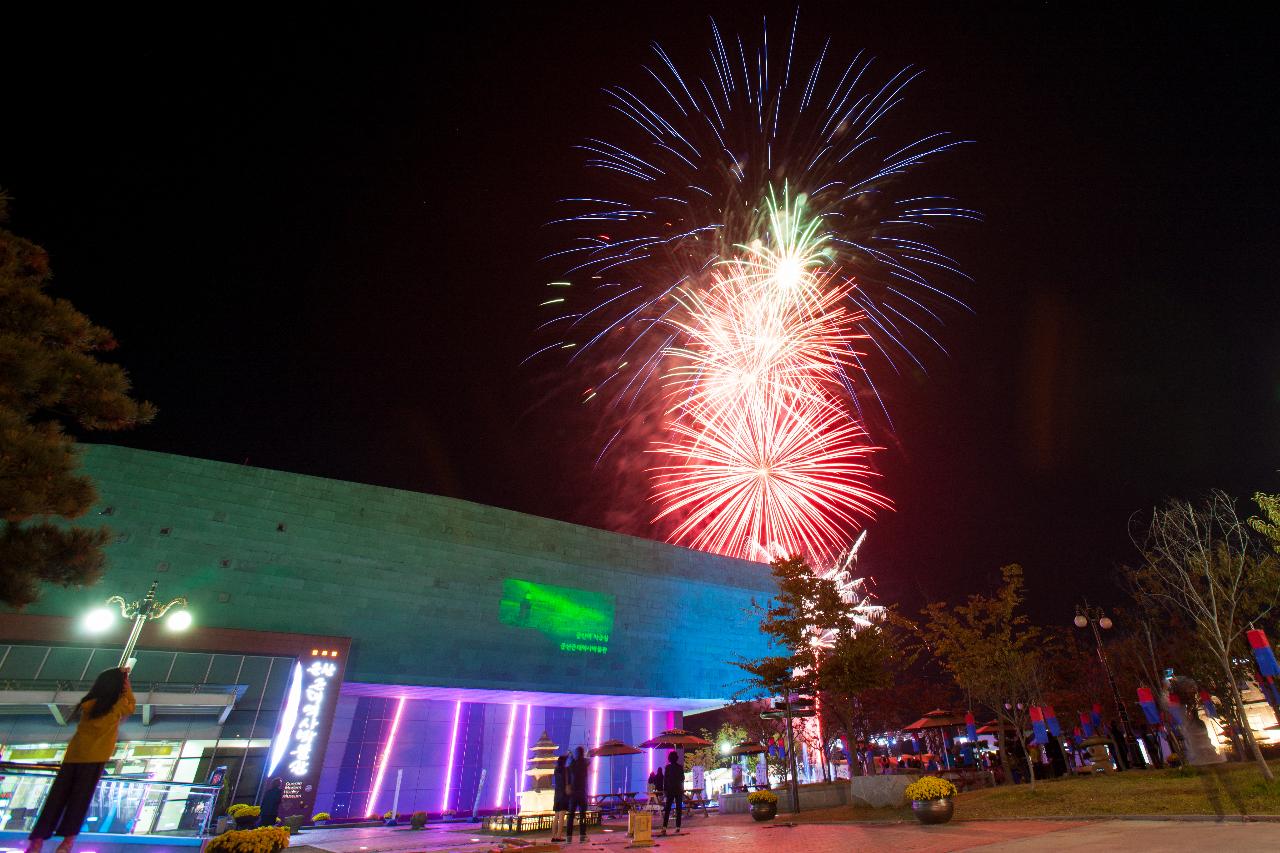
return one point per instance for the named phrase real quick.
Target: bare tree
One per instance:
(1202, 561)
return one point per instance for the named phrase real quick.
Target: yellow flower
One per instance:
(267, 839)
(929, 788)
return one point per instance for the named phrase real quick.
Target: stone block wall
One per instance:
(415, 580)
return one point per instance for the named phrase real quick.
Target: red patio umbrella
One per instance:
(747, 747)
(936, 719)
(675, 739)
(613, 747)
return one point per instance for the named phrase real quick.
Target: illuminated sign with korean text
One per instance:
(298, 749)
(304, 736)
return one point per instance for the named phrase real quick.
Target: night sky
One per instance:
(317, 242)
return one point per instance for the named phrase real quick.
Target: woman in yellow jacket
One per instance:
(108, 702)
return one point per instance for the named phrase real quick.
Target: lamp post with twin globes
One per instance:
(1093, 617)
(148, 608)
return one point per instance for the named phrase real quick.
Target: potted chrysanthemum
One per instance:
(931, 799)
(320, 818)
(245, 815)
(264, 839)
(764, 804)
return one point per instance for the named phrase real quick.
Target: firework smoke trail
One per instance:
(656, 264)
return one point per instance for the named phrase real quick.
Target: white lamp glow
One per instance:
(99, 619)
(179, 620)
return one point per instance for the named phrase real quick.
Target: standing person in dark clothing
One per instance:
(559, 799)
(673, 790)
(579, 770)
(108, 701)
(271, 803)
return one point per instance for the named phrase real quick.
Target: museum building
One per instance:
(375, 648)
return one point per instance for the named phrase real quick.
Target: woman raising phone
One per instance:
(108, 702)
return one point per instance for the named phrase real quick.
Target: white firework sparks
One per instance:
(853, 591)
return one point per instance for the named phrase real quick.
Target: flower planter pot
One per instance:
(321, 822)
(764, 811)
(246, 822)
(933, 811)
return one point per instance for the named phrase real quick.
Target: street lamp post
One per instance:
(1093, 618)
(140, 612)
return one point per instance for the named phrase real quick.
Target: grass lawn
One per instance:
(1146, 792)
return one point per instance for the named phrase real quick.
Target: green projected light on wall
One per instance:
(576, 619)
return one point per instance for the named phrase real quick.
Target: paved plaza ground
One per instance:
(739, 833)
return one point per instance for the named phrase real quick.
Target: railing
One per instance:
(125, 806)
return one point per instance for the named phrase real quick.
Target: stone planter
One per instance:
(882, 791)
(933, 811)
(764, 811)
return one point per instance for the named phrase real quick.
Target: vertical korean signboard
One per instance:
(297, 753)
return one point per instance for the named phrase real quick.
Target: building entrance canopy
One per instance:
(59, 698)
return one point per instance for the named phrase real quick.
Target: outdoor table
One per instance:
(693, 799)
(614, 803)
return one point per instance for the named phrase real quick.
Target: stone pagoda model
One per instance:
(542, 765)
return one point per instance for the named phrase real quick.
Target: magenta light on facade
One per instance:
(386, 759)
(501, 798)
(453, 747)
(649, 757)
(524, 749)
(595, 765)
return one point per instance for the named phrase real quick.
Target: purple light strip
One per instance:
(595, 765)
(524, 750)
(649, 757)
(386, 756)
(501, 797)
(453, 747)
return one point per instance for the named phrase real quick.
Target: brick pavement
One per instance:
(731, 833)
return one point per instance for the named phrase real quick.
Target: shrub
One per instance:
(762, 797)
(320, 816)
(264, 839)
(929, 788)
(418, 820)
(243, 810)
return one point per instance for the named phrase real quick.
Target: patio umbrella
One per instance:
(675, 739)
(613, 747)
(747, 747)
(993, 727)
(936, 719)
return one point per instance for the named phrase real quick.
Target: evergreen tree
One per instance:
(50, 381)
